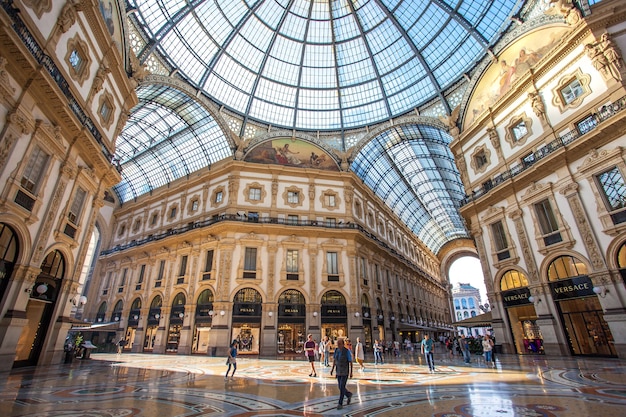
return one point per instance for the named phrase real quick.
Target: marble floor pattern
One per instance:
(110, 385)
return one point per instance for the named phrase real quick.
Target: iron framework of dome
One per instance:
(320, 64)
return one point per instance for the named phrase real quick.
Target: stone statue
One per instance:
(450, 122)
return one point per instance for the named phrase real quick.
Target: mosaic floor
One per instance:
(112, 385)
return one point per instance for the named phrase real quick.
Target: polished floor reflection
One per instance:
(174, 385)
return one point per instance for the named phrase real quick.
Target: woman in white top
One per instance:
(359, 354)
(487, 350)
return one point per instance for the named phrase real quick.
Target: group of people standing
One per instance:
(462, 346)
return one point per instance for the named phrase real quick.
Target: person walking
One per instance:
(327, 344)
(465, 349)
(378, 357)
(309, 350)
(320, 351)
(342, 360)
(232, 360)
(359, 353)
(120, 345)
(488, 350)
(427, 351)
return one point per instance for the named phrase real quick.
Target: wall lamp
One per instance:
(601, 291)
(211, 312)
(79, 301)
(534, 300)
(181, 315)
(157, 316)
(271, 313)
(222, 313)
(315, 314)
(357, 314)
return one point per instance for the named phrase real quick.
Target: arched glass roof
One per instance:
(320, 64)
(412, 170)
(168, 135)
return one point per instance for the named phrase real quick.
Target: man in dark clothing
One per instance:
(342, 360)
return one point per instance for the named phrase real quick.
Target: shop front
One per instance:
(523, 321)
(334, 316)
(133, 323)
(291, 322)
(246, 322)
(582, 317)
(152, 324)
(203, 321)
(177, 316)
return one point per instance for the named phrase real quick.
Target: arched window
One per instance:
(621, 259)
(291, 297)
(157, 302)
(179, 300)
(204, 307)
(248, 295)
(471, 302)
(9, 250)
(334, 297)
(117, 311)
(206, 297)
(136, 305)
(465, 315)
(473, 313)
(565, 267)
(464, 303)
(457, 305)
(135, 312)
(101, 312)
(513, 279)
(48, 282)
(459, 316)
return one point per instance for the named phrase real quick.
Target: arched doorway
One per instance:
(522, 315)
(9, 249)
(39, 310)
(203, 322)
(247, 308)
(133, 323)
(334, 316)
(154, 316)
(177, 316)
(291, 322)
(579, 309)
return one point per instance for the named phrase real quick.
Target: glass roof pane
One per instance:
(168, 135)
(411, 168)
(226, 47)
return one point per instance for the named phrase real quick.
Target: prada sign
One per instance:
(515, 297)
(247, 309)
(572, 288)
(291, 310)
(334, 311)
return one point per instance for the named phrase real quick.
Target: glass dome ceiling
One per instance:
(321, 64)
(411, 168)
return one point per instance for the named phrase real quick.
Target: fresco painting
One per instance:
(513, 63)
(111, 14)
(290, 152)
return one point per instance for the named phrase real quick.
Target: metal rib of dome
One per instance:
(412, 170)
(169, 135)
(321, 64)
